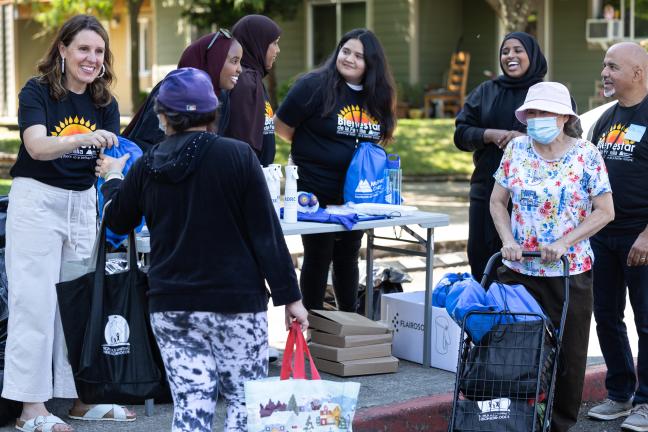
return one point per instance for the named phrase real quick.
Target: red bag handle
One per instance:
(296, 338)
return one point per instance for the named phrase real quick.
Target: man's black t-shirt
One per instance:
(622, 138)
(323, 146)
(74, 114)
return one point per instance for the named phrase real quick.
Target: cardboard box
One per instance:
(403, 313)
(344, 323)
(370, 366)
(349, 340)
(354, 353)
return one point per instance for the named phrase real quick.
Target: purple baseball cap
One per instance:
(188, 90)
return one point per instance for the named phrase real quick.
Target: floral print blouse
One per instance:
(551, 198)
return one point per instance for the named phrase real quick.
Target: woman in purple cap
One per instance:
(251, 117)
(561, 196)
(215, 241)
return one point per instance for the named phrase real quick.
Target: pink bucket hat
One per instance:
(547, 96)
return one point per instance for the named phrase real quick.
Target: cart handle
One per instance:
(535, 254)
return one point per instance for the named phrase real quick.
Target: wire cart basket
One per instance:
(505, 380)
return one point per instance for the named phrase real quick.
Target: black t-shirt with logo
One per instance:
(622, 138)
(323, 146)
(74, 114)
(267, 154)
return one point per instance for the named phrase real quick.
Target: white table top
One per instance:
(423, 219)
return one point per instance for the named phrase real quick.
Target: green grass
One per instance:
(426, 148)
(5, 184)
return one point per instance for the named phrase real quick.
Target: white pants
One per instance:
(46, 225)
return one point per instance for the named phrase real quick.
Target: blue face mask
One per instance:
(543, 129)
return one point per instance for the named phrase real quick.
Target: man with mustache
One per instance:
(621, 248)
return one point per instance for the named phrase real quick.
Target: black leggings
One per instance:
(343, 249)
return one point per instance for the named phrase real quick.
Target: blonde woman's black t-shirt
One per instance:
(74, 114)
(323, 146)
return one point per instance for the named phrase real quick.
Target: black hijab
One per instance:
(537, 63)
(247, 99)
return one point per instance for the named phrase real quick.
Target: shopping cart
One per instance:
(505, 380)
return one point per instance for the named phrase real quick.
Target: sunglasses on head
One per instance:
(222, 32)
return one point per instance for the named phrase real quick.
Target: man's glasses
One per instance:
(222, 32)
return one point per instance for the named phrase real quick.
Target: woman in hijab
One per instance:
(485, 126)
(249, 103)
(218, 54)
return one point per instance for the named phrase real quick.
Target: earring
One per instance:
(62, 65)
(103, 71)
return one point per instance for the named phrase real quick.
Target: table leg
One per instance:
(369, 280)
(148, 407)
(427, 319)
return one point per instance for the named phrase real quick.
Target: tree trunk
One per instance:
(133, 14)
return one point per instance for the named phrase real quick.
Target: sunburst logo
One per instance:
(616, 134)
(354, 114)
(268, 110)
(73, 126)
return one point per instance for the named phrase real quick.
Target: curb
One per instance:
(432, 413)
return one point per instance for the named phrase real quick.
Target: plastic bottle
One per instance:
(275, 187)
(393, 180)
(290, 195)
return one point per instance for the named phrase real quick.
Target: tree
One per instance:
(53, 14)
(134, 7)
(205, 14)
(292, 405)
(513, 13)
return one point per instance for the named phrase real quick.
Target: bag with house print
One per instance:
(300, 404)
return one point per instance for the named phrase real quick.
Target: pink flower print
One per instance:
(558, 183)
(530, 244)
(587, 263)
(580, 159)
(507, 167)
(518, 218)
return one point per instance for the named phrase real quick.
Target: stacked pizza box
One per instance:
(347, 344)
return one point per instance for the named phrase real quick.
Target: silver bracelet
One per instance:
(113, 175)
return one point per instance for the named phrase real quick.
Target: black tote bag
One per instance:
(110, 344)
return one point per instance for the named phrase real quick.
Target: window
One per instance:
(328, 21)
(631, 16)
(145, 46)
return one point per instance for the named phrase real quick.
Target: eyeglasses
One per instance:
(222, 32)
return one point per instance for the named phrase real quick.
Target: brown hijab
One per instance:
(210, 60)
(247, 100)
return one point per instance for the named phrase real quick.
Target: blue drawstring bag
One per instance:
(365, 177)
(513, 299)
(466, 296)
(125, 146)
(440, 291)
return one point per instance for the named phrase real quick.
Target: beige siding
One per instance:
(31, 50)
(170, 33)
(575, 64)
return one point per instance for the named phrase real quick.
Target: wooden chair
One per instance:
(453, 95)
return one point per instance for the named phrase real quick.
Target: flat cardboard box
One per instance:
(354, 353)
(345, 323)
(404, 314)
(349, 340)
(372, 366)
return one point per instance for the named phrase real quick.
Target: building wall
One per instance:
(292, 58)
(171, 37)
(31, 50)
(575, 64)
(480, 40)
(391, 25)
(440, 27)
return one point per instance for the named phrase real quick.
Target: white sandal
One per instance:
(100, 411)
(45, 423)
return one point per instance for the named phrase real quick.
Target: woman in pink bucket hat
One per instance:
(561, 196)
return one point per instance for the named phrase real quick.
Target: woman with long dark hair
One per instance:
(66, 114)
(350, 98)
(485, 126)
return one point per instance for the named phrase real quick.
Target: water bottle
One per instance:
(393, 180)
(275, 186)
(290, 195)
